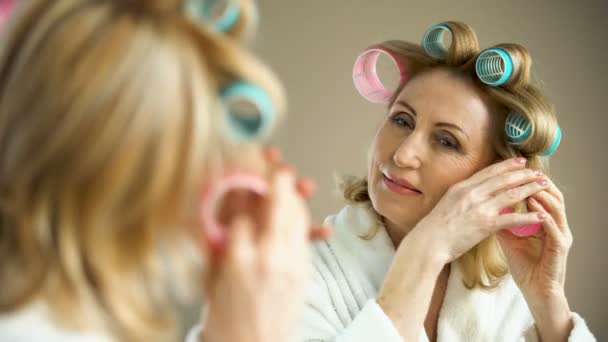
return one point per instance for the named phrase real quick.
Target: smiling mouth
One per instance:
(388, 179)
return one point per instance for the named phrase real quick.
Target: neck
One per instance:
(396, 232)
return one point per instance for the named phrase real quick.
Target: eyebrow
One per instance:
(440, 124)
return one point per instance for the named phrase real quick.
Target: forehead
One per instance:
(441, 95)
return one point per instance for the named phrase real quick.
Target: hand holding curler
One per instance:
(538, 263)
(264, 260)
(246, 194)
(522, 231)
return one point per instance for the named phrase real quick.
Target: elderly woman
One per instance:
(457, 233)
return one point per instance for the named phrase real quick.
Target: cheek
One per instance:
(384, 145)
(380, 154)
(374, 162)
(374, 155)
(454, 170)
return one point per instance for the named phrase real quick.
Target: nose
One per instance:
(408, 153)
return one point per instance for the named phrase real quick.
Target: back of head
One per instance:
(109, 120)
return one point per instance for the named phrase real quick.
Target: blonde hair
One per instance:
(484, 265)
(109, 121)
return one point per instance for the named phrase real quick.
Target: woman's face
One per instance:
(437, 133)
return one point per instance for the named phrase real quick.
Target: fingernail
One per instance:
(542, 216)
(538, 172)
(521, 160)
(272, 153)
(542, 182)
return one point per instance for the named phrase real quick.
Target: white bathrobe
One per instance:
(349, 271)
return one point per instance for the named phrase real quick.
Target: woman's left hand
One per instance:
(538, 264)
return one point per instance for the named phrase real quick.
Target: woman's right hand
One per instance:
(469, 211)
(256, 289)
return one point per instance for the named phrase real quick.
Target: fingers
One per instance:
(319, 233)
(283, 207)
(495, 170)
(306, 187)
(514, 195)
(560, 238)
(516, 220)
(240, 243)
(554, 208)
(553, 201)
(551, 205)
(273, 155)
(509, 180)
(553, 190)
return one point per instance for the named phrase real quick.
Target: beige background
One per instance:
(312, 44)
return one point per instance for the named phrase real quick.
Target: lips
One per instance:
(401, 183)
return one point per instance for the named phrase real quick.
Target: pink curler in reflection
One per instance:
(6, 9)
(365, 75)
(523, 231)
(213, 230)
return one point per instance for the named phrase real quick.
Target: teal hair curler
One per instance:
(518, 128)
(251, 112)
(434, 43)
(222, 15)
(494, 67)
(556, 142)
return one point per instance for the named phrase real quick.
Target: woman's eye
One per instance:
(402, 121)
(448, 142)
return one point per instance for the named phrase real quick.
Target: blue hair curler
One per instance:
(518, 129)
(251, 112)
(222, 15)
(556, 142)
(433, 41)
(494, 67)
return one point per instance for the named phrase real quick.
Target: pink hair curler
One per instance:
(366, 79)
(213, 230)
(523, 231)
(6, 9)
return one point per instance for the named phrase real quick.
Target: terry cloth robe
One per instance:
(349, 271)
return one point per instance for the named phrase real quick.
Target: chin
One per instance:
(393, 211)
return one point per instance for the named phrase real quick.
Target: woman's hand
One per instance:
(469, 211)
(467, 214)
(256, 289)
(538, 264)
